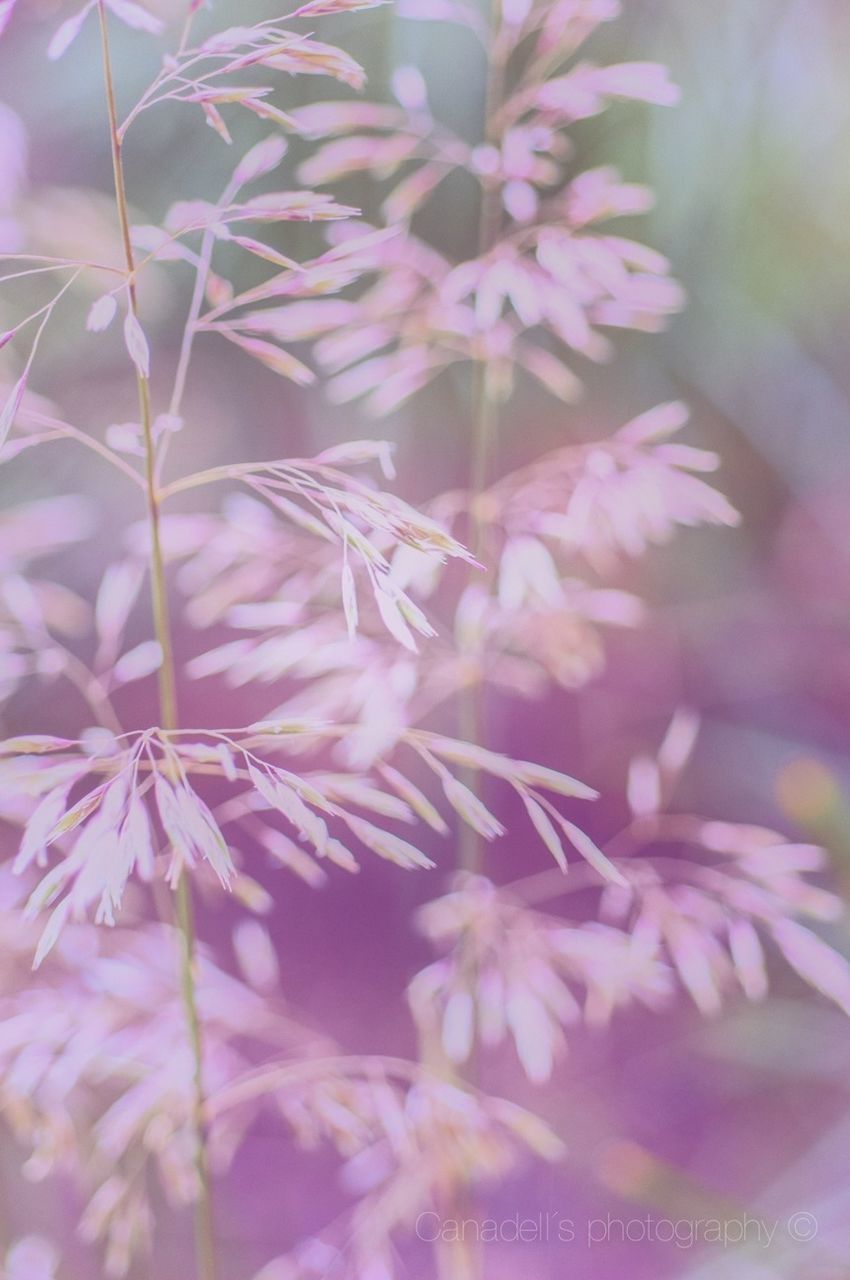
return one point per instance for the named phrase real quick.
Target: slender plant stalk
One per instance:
(484, 411)
(201, 277)
(459, 1258)
(204, 1233)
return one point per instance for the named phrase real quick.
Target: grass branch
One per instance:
(204, 1226)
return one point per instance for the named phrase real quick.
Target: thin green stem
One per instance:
(204, 1215)
(204, 1234)
(189, 332)
(59, 430)
(484, 410)
(215, 475)
(202, 275)
(460, 1259)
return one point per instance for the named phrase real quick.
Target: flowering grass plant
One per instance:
(136, 1057)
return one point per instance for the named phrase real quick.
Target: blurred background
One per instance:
(667, 1115)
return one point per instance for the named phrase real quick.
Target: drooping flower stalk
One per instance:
(204, 1229)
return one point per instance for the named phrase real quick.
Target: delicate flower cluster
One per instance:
(536, 617)
(721, 889)
(696, 916)
(95, 1075)
(261, 47)
(609, 499)
(701, 916)
(499, 310)
(91, 1080)
(318, 498)
(409, 1139)
(199, 75)
(709, 907)
(257, 330)
(510, 970)
(138, 801)
(545, 272)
